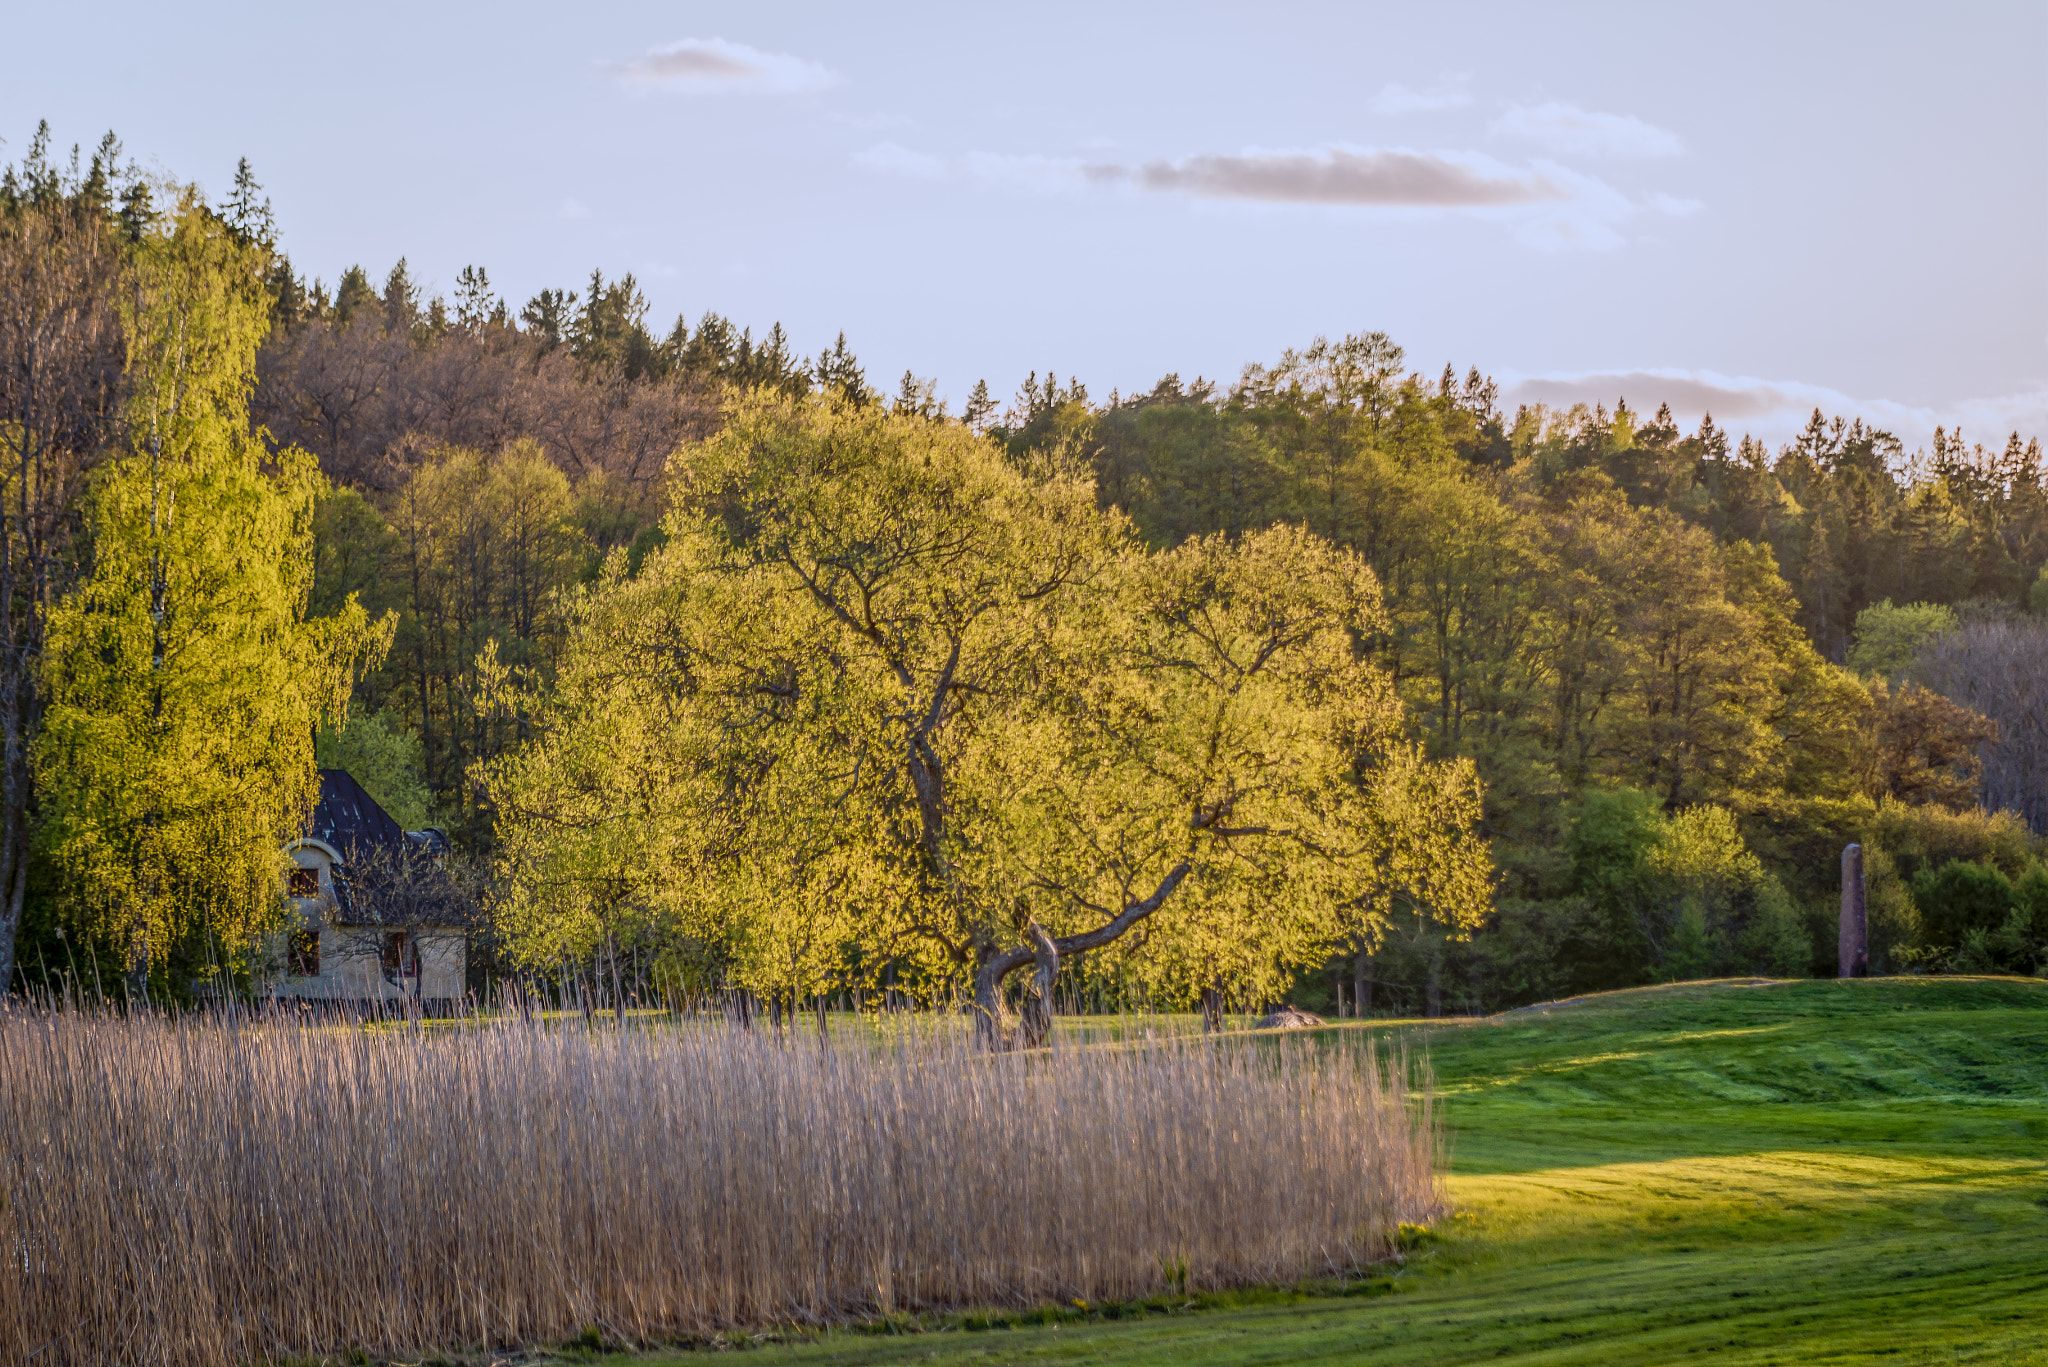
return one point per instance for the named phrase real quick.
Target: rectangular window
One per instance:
(304, 959)
(394, 953)
(305, 882)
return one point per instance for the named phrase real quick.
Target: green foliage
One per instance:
(481, 548)
(889, 701)
(379, 753)
(1923, 837)
(1957, 899)
(1888, 637)
(185, 677)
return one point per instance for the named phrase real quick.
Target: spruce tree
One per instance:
(981, 408)
(351, 294)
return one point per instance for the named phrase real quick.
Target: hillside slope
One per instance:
(1756, 1172)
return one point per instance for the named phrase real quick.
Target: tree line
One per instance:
(723, 667)
(1688, 668)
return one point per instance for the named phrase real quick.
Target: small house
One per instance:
(378, 919)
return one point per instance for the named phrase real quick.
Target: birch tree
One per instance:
(184, 678)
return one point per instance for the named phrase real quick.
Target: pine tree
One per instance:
(401, 298)
(981, 408)
(475, 304)
(839, 372)
(351, 294)
(709, 351)
(548, 315)
(251, 222)
(287, 294)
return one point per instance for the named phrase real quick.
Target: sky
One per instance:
(1753, 209)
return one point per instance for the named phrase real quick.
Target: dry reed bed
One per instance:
(192, 1191)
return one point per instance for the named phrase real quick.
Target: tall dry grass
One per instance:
(207, 1191)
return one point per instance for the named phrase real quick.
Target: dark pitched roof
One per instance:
(348, 818)
(388, 875)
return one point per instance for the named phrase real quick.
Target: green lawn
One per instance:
(1811, 1172)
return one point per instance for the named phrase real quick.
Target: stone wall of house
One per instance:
(352, 967)
(352, 957)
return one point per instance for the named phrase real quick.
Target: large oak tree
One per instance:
(890, 698)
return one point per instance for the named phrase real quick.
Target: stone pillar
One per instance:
(1855, 942)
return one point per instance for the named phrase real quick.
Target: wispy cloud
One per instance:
(1673, 206)
(573, 209)
(1773, 410)
(1399, 99)
(1570, 130)
(1029, 172)
(1551, 207)
(871, 123)
(714, 66)
(894, 159)
(1433, 180)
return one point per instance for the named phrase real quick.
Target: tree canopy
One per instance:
(889, 700)
(184, 679)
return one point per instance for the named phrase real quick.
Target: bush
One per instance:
(1926, 837)
(1959, 898)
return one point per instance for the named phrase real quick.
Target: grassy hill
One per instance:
(1746, 1171)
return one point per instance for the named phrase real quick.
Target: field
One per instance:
(1741, 1172)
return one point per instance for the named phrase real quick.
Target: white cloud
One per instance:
(1399, 99)
(1029, 172)
(713, 66)
(1566, 128)
(1774, 410)
(572, 209)
(1674, 206)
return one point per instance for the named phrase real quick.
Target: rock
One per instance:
(1288, 1018)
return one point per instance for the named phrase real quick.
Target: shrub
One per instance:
(1959, 898)
(1920, 837)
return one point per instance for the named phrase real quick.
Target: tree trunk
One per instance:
(1038, 1008)
(1361, 984)
(993, 1026)
(138, 965)
(1337, 992)
(1212, 1010)
(1434, 1001)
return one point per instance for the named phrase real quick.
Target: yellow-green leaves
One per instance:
(887, 697)
(184, 680)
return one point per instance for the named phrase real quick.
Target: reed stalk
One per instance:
(188, 1190)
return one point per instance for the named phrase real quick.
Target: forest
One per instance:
(1549, 701)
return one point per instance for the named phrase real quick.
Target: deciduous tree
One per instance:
(889, 698)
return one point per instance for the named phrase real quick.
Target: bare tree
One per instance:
(360, 395)
(60, 378)
(404, 891)
(1919, 746)
(2000, 668)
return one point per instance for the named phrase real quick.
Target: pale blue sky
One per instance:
(1753, 206)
